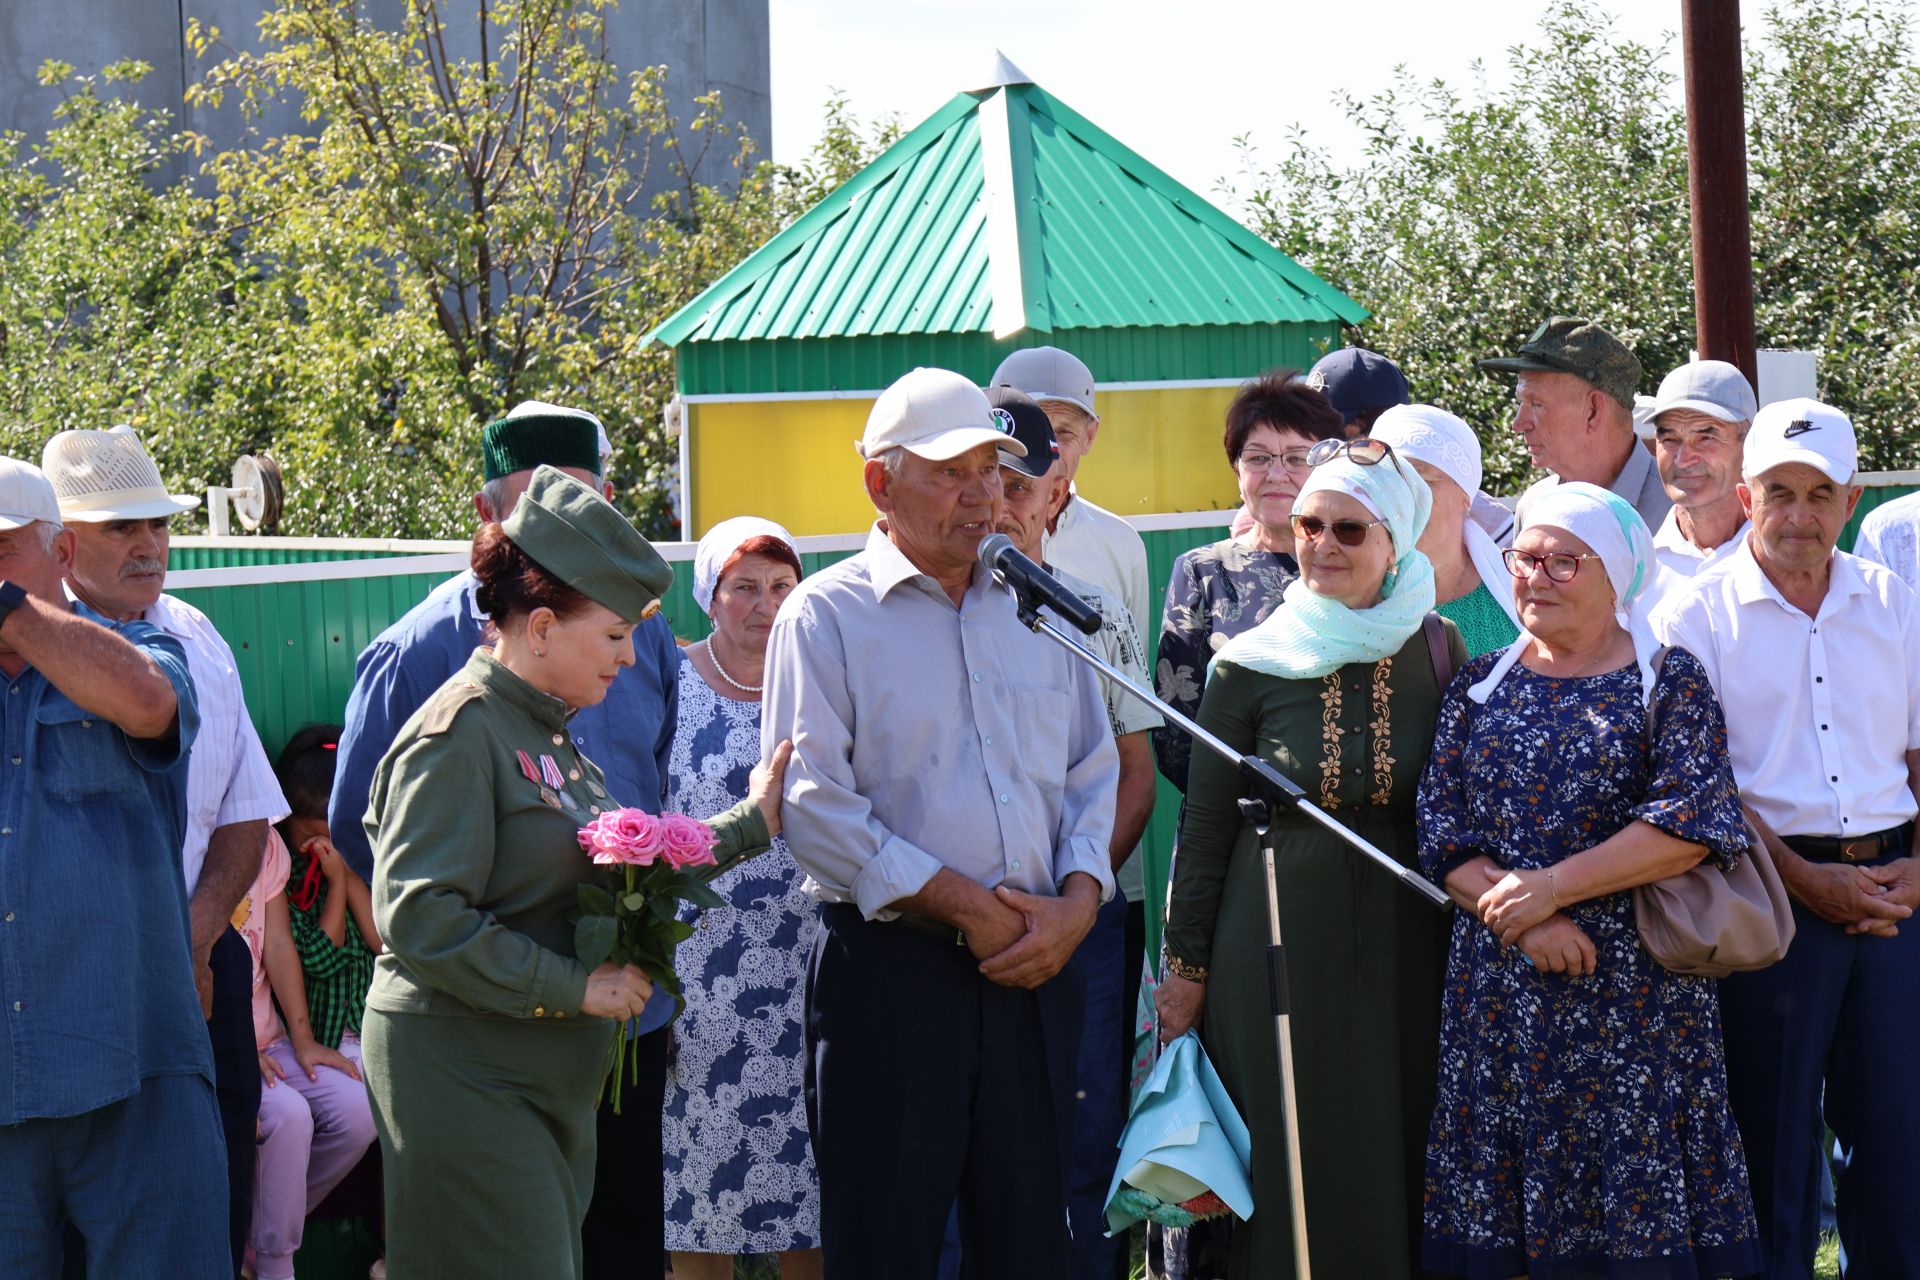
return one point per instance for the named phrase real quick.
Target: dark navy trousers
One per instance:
(1839, 1019)
(927, 1084)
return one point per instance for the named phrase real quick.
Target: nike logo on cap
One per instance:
(1799, 427)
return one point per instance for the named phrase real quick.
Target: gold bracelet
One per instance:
(1181, 969)
(1551, 891)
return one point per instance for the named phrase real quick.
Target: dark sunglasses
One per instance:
(1348, 533)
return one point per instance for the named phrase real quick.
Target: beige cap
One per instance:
(938, 415)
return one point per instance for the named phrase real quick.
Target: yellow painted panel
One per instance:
(1160, 451)
(793, 460)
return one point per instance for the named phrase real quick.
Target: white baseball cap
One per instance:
(106, 475)
(1712, 387)
(1047, 373)
(25, 495)
(1643, 417)
(936, 414)
(1801, 430)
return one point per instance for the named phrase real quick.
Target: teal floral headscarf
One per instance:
(1310, 635)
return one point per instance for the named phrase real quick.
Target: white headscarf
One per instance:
(1605, 522)
(725, 538)
(1437, 438)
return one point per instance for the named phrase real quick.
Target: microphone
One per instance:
(1034, 585)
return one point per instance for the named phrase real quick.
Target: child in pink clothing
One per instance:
(315, 1119)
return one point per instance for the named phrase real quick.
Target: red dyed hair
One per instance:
(763, 545)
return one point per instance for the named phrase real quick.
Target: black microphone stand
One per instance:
(1273, 792)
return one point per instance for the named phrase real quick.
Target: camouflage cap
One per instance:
(1567, 344)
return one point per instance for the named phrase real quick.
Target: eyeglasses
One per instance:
(1348, 533)
(1256, 461)
(1364, 450)
(1560, 566)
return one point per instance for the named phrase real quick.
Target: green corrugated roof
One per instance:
(1007, 210)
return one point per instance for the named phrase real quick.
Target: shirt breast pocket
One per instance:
(77, 755)
(1045, 719)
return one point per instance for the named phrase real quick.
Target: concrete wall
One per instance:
(706, 44)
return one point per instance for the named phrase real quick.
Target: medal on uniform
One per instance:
(526, 766)
(551, 775)
(566, 798)
(552, 800)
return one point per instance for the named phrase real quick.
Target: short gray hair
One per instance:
(48, 531)
(892, 459)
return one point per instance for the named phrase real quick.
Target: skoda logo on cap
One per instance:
(1003, 422)
(1799, 427)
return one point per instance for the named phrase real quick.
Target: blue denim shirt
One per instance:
(629, 734)
(96, 971)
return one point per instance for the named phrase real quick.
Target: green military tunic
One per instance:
(482, 1070)
(1365, 957)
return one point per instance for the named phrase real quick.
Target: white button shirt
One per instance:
(1093, 543)
(1678, 556)
(1820, 711)
(928, 736)
(1890, 536)
(229, 778)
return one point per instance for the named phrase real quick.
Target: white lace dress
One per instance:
(739, 1174)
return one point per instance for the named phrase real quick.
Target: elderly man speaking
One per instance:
(951, 800)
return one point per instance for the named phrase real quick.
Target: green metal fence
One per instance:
(296, 641)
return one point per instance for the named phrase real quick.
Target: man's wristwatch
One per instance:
(12, 596)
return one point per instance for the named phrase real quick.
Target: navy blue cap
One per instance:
(1357, 380)
(1015, 414)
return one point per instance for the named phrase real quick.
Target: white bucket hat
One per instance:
(107, 475)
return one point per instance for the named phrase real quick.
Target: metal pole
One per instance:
(1263, 814)
(1269, 781)
(1717, 183)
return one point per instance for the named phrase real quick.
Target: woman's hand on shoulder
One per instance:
(768, 782)
(617, 991)
(1558, 945)
(1179, 1002)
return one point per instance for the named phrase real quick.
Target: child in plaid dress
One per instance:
(315, 1118)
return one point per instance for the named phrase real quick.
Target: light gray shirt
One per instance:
(928, 736)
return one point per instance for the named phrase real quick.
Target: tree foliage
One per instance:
(1474, 214)
(446, 235)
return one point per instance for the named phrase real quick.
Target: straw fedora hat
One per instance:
(107, 475)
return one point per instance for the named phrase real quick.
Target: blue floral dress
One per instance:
(738, 1174)
(1581, 1126)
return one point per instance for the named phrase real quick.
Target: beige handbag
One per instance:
(1708, 922)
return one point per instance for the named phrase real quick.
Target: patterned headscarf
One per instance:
(1312, 635)
(1431, 435)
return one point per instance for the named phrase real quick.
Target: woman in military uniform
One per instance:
(484, 1035)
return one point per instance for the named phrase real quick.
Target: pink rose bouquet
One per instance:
(653, 862)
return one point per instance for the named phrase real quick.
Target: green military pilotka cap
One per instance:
(1567, 344)
(576, 535)
(535, 433)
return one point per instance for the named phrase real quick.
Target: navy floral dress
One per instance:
(1216, 592)
(1581, 1126)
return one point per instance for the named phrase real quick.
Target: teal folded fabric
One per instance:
(1184, 1153)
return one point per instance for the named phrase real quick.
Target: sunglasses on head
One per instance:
(1348, 533)
(1364, 450)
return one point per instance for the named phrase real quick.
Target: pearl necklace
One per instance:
(713, 654)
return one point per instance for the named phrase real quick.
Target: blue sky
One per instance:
(1174, 80)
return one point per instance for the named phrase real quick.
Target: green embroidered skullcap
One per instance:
(576, 535)
(536, 432)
